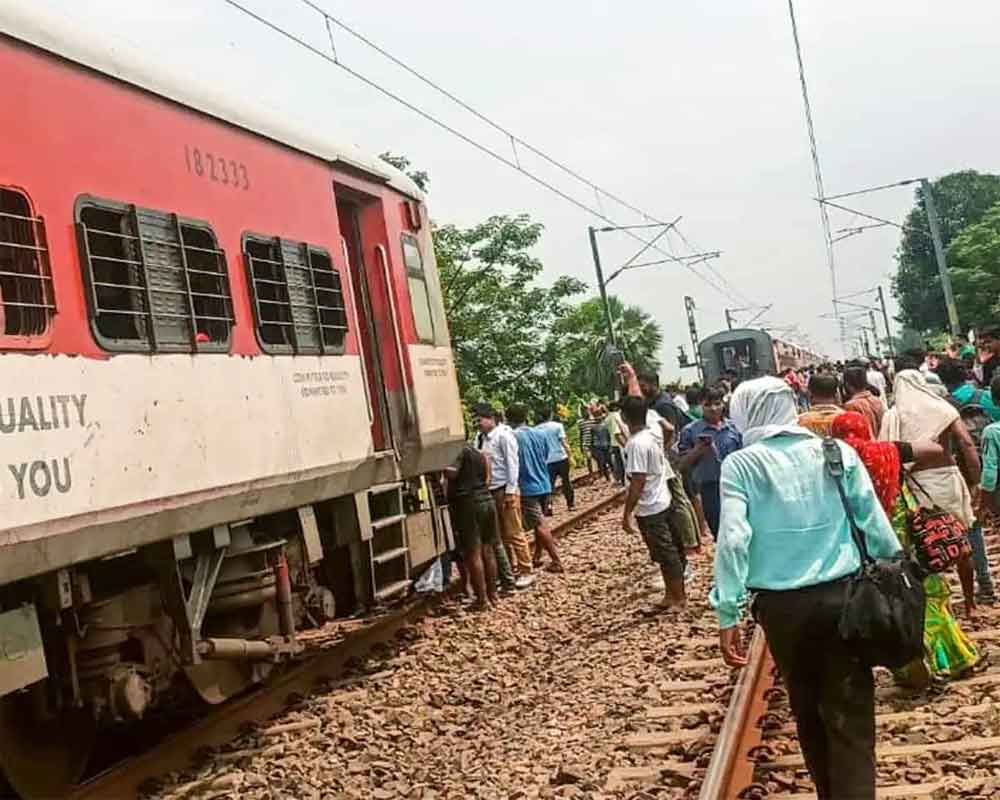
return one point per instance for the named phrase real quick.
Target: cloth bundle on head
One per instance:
(880, 458)
(763, 407)
(917, 412)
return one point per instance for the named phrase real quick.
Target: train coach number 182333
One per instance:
(215, 167)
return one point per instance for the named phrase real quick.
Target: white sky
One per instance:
(682, 108)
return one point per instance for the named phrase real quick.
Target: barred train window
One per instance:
(158, 282)
(27, 301)
(420, 297)
(297, 294)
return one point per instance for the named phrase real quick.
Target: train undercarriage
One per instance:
(197, 618)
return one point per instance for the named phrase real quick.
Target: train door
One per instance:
(373, 311)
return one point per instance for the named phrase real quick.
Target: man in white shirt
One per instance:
(680, 399)
(500, 447)
(649, 498)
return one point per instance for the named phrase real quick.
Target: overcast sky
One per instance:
(682, 108)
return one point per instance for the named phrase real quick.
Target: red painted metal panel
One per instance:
(70, 131)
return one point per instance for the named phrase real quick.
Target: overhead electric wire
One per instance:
(817, 172)
(335, 60)
(871, 189)
(471, 109)
(733, 293)
(880, 220)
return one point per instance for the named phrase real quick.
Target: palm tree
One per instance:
(582, 338)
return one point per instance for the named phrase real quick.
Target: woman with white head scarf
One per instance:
(784, 535)
(918, 413)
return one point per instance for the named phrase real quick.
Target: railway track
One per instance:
(719, 734)
(332, 651)
(933, 744)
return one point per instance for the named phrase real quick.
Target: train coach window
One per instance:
(420, 297)
(158, 282)
(27, 301)
(297, 294)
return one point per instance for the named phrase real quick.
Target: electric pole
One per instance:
(932, 221)
(875, 336)
(885, 319)
(689, 307)
(601, 287)
(729, 319)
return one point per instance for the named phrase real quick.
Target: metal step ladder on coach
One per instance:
(403, 527)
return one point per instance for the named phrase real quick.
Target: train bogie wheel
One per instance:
(43, 759)
(217, 681)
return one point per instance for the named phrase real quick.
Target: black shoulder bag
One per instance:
(883, 615)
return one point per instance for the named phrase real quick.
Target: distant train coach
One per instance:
(227, 390)
(750, 353)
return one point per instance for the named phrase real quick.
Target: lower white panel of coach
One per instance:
(80, 435)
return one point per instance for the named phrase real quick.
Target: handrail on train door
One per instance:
(383, 257)
(357, 329)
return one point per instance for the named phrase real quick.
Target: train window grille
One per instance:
(420, 298)
(157, 282)
(298, 297)
(27, 299)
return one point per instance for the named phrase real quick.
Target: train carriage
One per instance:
(750, 353)
(227, 382)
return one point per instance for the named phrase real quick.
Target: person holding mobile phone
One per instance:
(704, 445)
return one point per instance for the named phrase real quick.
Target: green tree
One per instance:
(582, 344)
(499, 318)
(402, 163)
(962, 199)
(974, 265)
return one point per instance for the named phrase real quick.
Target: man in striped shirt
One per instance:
(586, 425)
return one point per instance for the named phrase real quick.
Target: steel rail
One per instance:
(223, 724)
(730, 770)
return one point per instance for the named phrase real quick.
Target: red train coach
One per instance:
(226, 375)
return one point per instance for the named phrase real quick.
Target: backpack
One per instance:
(975, 416)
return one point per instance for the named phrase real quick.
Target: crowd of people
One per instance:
(744, 464)
(785, 551)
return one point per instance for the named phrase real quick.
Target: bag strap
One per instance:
(909, 477)
(834, 459)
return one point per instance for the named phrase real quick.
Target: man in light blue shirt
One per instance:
(557, 458)
(785, 535)
(704, 445)
(535, 485)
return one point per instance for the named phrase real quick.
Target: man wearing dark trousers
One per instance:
(785, 536)
(704, 445)
(557, 459)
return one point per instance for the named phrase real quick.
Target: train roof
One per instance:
(80, 40)
(753, 333)
(736, 334)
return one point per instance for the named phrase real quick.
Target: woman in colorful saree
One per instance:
(948, 652)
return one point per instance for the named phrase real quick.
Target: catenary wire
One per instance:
(464, 137)
(472, 109)
(817, 172)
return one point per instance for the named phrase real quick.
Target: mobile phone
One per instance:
(705, 437)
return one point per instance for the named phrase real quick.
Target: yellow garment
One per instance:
(948, 651)
(819, 418)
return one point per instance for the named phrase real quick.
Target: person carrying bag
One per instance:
(883, 614)
(784, 536)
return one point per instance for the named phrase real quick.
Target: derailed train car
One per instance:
(750, 353)
(226, 374)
